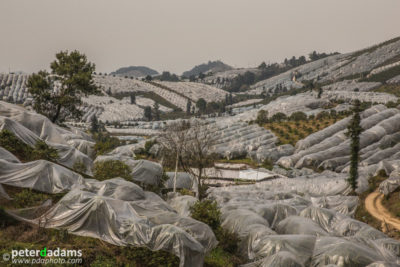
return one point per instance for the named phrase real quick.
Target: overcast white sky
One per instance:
(175, 35)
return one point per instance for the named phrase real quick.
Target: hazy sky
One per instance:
(175, 35)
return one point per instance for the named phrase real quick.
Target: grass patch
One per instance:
(247, 161)
(383, 76)
(290, 132)
(389, 89)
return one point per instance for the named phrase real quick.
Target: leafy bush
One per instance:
(262, 117)
(105, 170)
(278, 117)
(13, 144)
(5, 219)
(44, 151)
(23, 151)
(28, 198)
(298, 116)
(207, 211)
(267, 164)
(105, 143)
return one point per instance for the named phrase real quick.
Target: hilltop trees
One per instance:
(188, 107)
(201, 104)
(57, 95)
(133, 98)
(147, 113)
(354, 131)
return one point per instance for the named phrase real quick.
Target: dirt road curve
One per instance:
(373, 204)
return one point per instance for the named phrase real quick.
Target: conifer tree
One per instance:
(354, 131)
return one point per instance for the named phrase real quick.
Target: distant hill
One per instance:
(211, 66)
(135, 71)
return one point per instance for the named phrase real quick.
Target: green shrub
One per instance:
(267, 164)
(28, 198)
(105, 170)
(148, 145)
(44, 151)
(105, 143)
(207, 211)
(14, 145)
(5, 219)
(23, 151)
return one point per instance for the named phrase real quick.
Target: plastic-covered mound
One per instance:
(25, 135)
(6, 155)
(39, 175)
(281, 258)
(391, 184)
(234, 139)
(291, 215)
(182, 204)
(143, 171)
(129, 216)
(183, 180)
(40, 125)
(147, 172)
(30, 127)
(330, 147)
(333, 250)
(299, 226)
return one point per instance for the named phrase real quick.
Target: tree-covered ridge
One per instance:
(135, 71)
(213, 66)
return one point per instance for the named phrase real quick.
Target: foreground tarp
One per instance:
(143, 171)
(72, 145)
(121, 213)
(303, 221)
(40, 175)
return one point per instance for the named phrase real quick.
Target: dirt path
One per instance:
(373, 204)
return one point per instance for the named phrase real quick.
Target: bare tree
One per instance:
(191, 144)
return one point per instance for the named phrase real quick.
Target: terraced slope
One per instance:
(118, 85)
(195, 91)
(13, 87)
(354, 65)
(330, 148)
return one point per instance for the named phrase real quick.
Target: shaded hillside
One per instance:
(135, 71)
(211, 66)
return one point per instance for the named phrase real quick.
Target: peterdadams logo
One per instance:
(44, 256)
